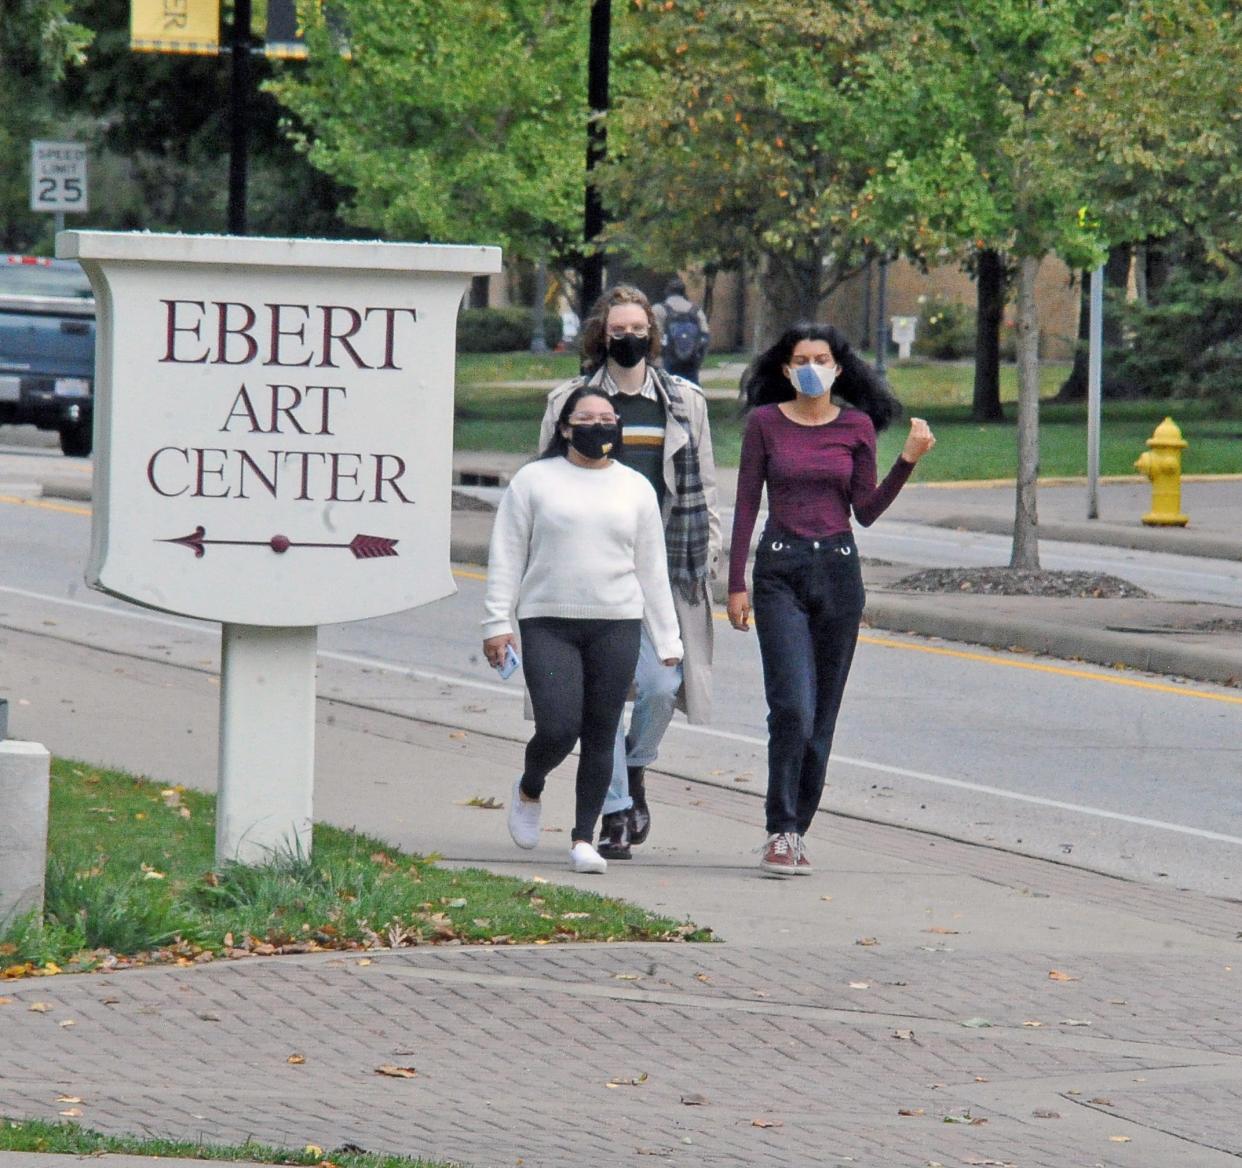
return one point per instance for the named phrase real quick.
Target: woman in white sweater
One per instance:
(577, 553)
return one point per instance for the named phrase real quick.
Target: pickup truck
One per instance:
(47, 348)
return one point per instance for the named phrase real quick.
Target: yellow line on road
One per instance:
(1009, 662)
(1058, 670)
(44, 505)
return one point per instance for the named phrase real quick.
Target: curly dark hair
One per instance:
(558, 444)
(859, 384)
(595, 327)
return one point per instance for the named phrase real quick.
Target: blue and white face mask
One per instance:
(813, 380)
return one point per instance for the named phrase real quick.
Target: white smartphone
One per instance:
(508, 666)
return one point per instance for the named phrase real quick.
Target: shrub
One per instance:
(503, 330)
(946, 330)
(1190, 344)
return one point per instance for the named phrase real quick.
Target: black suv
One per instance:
(47, 348)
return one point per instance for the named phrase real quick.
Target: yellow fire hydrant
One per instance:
(1162, 463)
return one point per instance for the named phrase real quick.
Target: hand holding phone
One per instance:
(509, 663)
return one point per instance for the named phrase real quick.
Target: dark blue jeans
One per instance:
(808, 602)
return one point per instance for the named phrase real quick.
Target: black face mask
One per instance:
(594, 441)
(628, 350)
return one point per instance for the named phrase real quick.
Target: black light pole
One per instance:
(592, 269)
(239, 115)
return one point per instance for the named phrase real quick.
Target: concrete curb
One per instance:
(1070, 641)
(1175, 541)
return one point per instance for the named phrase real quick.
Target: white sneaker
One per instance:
(523, 818)
(584, 858)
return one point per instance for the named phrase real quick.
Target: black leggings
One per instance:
(578, 673)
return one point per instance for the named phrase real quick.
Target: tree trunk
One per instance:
(1074, 387)
(1026, 521)
(990, 308)
(1116, 280)
(790, 293)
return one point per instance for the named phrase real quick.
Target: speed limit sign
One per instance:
(57, 176)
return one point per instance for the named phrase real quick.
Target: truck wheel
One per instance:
(76, 439)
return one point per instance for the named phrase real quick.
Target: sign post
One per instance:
(273, 451)
(58, 179)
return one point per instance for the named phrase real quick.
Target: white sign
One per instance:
(274, 423)
(58, 176)
(903, 334)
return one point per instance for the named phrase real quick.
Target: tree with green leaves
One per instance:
(459, 121)
(38, 41)
(736, 137)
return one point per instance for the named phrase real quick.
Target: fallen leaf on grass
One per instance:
(694, 1100)
(489, 804)
(72, 1112)
(313, 1150)
(575, 916)
(396, 1072)
(767, 1123)
(1059, 975)
(638, 1081)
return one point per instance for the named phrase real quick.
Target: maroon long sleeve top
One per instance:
(815, 476)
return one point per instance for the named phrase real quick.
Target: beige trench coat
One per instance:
(697, 629)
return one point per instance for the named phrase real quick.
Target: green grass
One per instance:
(131, 877)
(68, 1139)
(492, 418)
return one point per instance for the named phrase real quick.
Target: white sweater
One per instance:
(580, 542)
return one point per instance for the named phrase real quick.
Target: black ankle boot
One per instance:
(614, 836)
(639, 815)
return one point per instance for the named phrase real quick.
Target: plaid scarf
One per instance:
(685, 533)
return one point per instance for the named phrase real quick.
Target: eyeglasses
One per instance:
(639, 331)
(592, 419)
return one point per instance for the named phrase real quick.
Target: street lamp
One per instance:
(592, 269)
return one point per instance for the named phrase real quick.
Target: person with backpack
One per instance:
(684, 334)
(665, 437)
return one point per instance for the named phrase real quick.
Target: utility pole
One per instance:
(881, 327)
(592, 269)
(239, 115)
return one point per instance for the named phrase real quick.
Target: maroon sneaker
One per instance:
(802, 865)
(780, 854)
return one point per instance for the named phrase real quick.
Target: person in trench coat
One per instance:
(665, 435)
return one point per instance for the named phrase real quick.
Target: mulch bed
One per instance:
(1019, 582)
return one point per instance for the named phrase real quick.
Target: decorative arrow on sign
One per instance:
(364, 547)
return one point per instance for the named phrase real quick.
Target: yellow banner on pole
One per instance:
(175, 26)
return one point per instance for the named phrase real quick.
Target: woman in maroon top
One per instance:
(817, 460)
